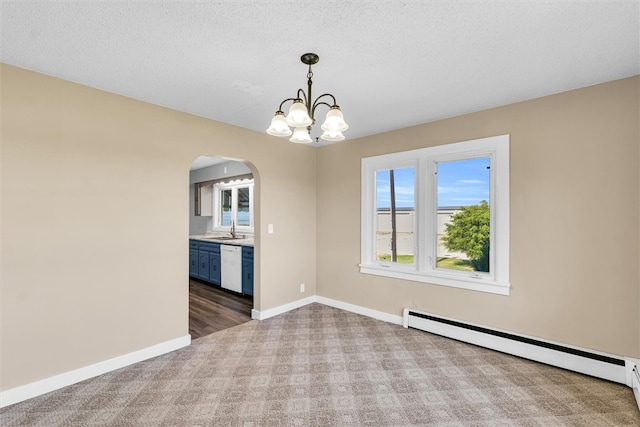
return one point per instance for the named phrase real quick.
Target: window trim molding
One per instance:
(424, 160)
(232, 185)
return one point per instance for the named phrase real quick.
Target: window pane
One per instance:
(463, 214)
(225, 207)
(243, 217)
(395, 198)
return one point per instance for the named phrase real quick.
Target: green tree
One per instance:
(469, 232)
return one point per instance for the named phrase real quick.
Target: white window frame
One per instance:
(424, 267)
(233, 186)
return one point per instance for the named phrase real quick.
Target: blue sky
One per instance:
(460, 183)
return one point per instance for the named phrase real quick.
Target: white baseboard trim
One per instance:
(630, 364)
(635, 380)
(386, 317)
(380, 315)
(265, 314)
(28, 391)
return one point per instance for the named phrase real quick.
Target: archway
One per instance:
(223, 195)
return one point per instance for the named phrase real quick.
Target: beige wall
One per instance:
(95, 193)
(574, 265)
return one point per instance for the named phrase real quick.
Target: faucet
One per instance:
(233, 229)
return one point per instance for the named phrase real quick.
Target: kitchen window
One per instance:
(233, 206)
(439, 215)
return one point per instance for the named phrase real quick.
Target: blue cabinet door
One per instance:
(203, 265)
(193, 262)
(247, 270)
(215, 266)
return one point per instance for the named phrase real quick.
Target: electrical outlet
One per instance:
(301, 288)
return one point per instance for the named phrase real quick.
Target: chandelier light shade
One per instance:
(279, 126)
(298, 115)
(301, 136)
(333, 136)
(334, 121)
(301, 115)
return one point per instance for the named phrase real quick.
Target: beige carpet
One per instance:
(320, 366)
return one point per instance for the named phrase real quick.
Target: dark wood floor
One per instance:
(212, 309)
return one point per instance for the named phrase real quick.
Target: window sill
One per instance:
(481, 284)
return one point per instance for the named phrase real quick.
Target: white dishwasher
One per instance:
(231, 268)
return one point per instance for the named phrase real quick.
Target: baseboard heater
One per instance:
(588, 362)
(635, 380)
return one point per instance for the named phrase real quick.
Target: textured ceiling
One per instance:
(390, 64)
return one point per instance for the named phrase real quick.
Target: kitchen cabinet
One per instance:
(193, 258)
(207, 254)
(247, 270)
(193, 262)
(203, 199)
(215, 265)
(205, 263)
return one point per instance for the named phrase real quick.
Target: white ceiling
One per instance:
(390, 64)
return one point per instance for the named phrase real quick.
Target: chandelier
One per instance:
(301, 116)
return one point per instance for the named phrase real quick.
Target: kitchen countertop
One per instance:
(247, 241)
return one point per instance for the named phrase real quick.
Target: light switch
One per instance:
(270, 228)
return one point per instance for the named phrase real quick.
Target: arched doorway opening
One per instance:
(222, 215)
